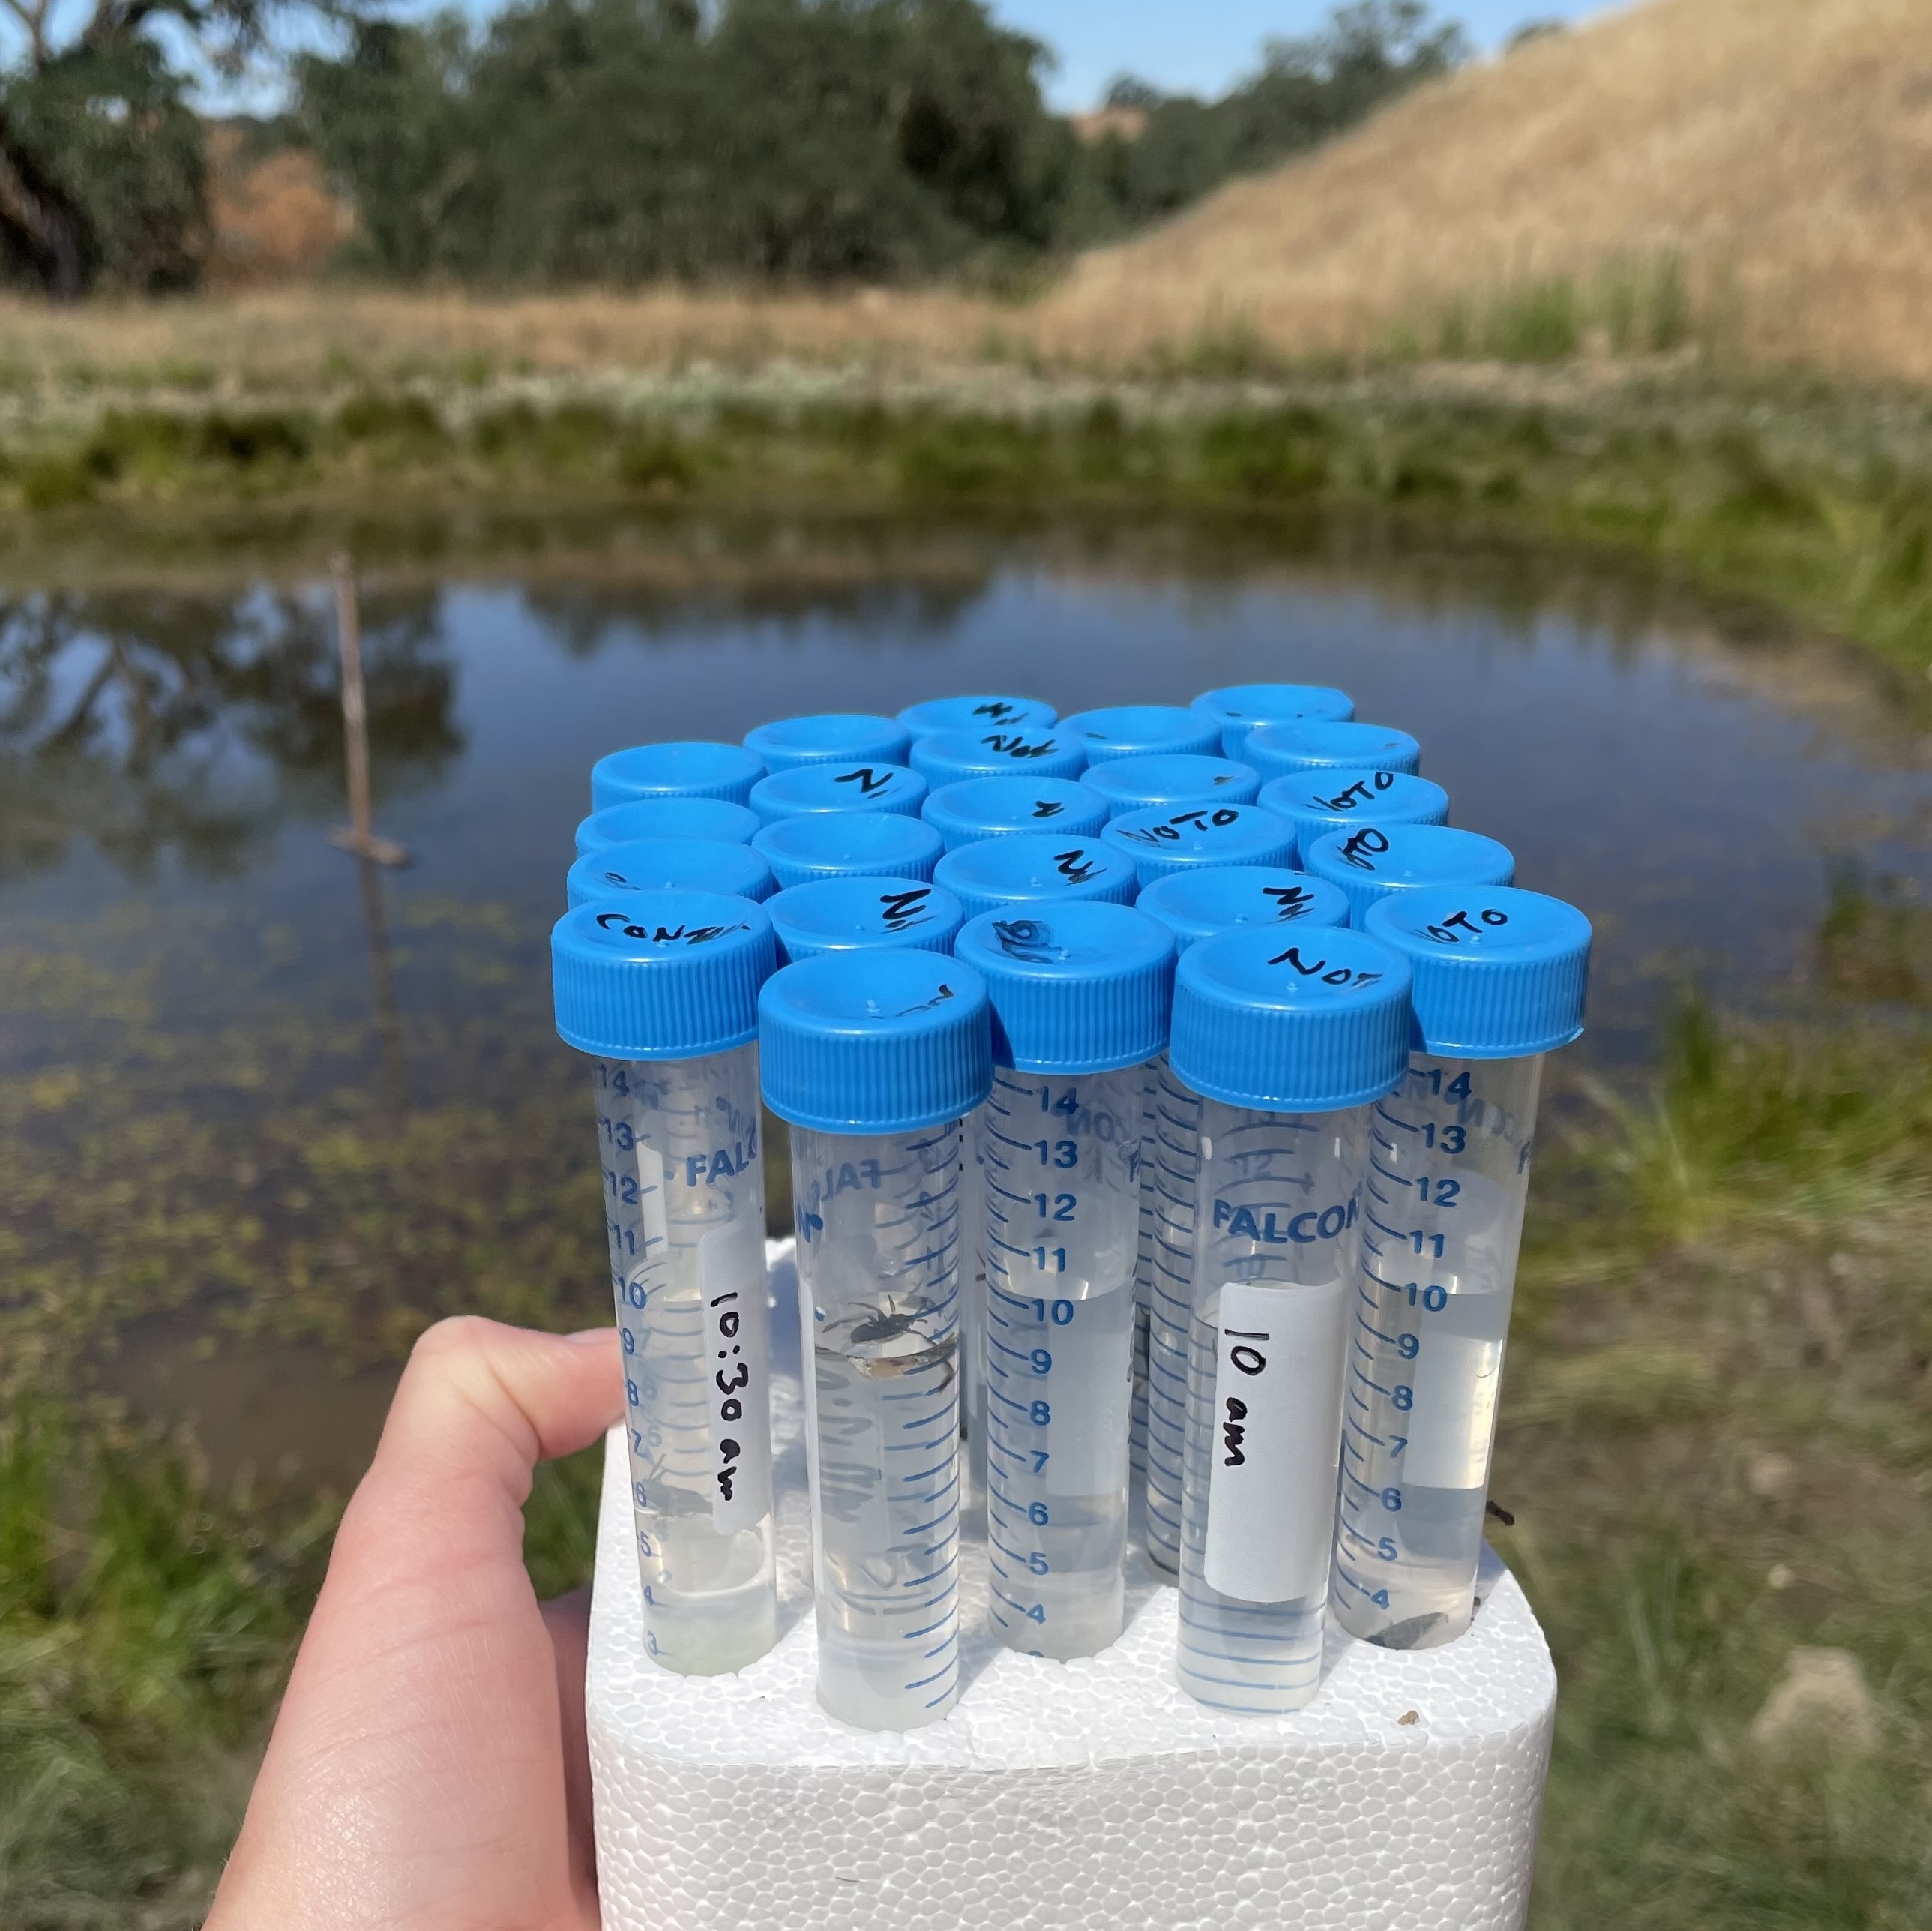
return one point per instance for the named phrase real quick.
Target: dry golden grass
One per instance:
(1780, 150)
(1777, 153)
(292, 337)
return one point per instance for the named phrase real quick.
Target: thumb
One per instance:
(478, 1406)
(417, 1773)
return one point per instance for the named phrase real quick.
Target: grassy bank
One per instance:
(1717, 1445)
(1813, 503)
(1717, 1437)
(146, 1624)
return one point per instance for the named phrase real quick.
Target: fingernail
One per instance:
(589, 1337)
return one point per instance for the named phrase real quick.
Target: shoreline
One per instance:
(1810, 505)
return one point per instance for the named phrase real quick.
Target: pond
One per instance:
(266, 1110)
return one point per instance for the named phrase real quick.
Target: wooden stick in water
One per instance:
(360, 836)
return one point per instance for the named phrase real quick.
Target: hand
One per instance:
(428, 1766)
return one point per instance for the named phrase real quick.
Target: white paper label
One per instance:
(1277, 1432)
(731, 1281)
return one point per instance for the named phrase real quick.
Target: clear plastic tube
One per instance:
(1277, 1212)
(1176, 1166)
(973, 1299)
(1137, 1424)
(684, 1198)
(879, 1257)
(1062, 1156)
(1443, 1199)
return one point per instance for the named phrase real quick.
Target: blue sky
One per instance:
(1183, 46)
(1202, 47)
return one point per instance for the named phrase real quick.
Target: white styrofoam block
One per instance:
(1057, 1795)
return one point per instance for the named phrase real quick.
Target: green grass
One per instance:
(1716, 1444)
(1662, 1812)
(1632, 308)
(1717, 1437)
(1725, 1268)
(146, 1626)
(1793, 499)
(1770, 1128)
(180, 1137)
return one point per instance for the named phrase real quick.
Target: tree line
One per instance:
(617, 141)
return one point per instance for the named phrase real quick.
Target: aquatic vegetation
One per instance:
(174, 1134)
(1714, 1431)
(1715, 1427)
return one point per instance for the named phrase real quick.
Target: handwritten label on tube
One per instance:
(1277, 1432)
(731, 1282)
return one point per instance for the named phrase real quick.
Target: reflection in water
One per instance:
(869, 613)
(326, 1111)
(145, 723)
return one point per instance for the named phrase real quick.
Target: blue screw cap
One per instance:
(847, 915)
(1080, 988)
(661, 975)
(1169, 838)
(1142, 731)
(1316, 802)
(848, 845)
(1326, 744)
(806, 788)
(1499, 973)
(834, 737)
(947, 757)
(978, 714)
(693, 769)
(1238, 708)
(666, 817)
(661, 864)
(1204, 899)
(875, 1041)
(1370, 861)
(1288, 1022)
(1175, 778)
(1034, 868)
(977, 807)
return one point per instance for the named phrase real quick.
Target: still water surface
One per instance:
(168, 768)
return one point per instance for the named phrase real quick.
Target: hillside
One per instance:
(1778, 152)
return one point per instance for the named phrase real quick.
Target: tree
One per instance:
(1369, 50)
(1129, 90)
(1307, 90)
(814, 138)
(101, 168)
(390, 119)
